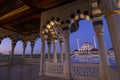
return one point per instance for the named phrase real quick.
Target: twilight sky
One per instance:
(85, 34)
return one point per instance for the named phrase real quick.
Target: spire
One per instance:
(78, 44)
(94, 40)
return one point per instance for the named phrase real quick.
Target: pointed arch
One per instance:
(19, 48)
(28, 48)
(84, 33)
(5, 46)
(37, 47)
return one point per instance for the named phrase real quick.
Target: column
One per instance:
(67, 65)
(42, 59)
(31, 55)
(55, 51)
(103, 53)
(112, 14)
(12, 53)
(49, 48)
(0, 41)
(23, 55)
(61, 51)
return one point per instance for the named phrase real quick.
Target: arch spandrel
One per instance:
(14, 36)
(32, 37)
(64, 12)
(10, 34)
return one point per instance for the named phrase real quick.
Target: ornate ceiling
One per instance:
(23, 16)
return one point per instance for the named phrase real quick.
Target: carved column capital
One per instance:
(0, 40)
(32, 44)
(98, 29)
(49, 43)
(13, 44)
(61, 43)
(24, 44)
(66, 34)
(55, 41)
(108, 6)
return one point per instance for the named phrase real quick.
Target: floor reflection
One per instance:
(19, 72)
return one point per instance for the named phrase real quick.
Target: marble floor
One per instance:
(23, 72)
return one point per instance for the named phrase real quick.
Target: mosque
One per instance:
(53, 21)
(86, 48)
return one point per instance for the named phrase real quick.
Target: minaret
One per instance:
(78, 44)
(94, 40)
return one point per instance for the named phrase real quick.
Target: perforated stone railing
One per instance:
(54, 69)
(34, 60)
(85, 71)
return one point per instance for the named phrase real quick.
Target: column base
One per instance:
(30, 61)
(106, 78)
(41, 73)
(68, 76)
(23, 61)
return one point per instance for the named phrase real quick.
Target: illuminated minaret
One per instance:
(78, 44)
(94, 40)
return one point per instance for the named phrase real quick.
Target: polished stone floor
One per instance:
(23, 72)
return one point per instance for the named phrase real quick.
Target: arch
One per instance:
(28, 48)
(85, 31)
(52, 31)
(5, 46)
(75, 18)
(37, 46)
(19, 48)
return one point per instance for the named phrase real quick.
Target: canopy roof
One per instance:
(23, 16)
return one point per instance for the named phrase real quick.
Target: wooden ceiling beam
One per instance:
(15, 12)
(15, 17)
(32, 5)
(23, 19)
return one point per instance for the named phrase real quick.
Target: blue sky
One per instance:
(85, 34)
